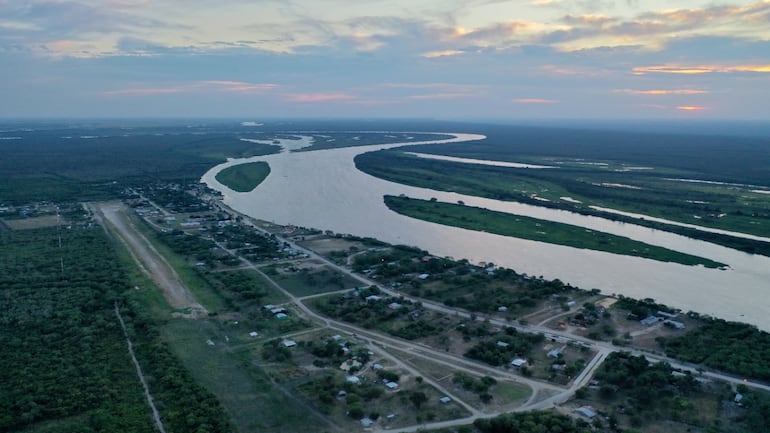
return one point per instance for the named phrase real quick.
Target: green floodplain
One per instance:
(683, 178)
(244, 177)
(474, 218)
(66, 367)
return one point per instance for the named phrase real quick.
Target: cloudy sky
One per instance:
(503, 59)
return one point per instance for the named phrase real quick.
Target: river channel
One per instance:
(323, 189)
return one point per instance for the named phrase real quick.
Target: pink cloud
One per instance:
(659, 92)
(445, 95)
(319, 97)
(149, 91)
(196, 87)
(535, 101)
(239, 86)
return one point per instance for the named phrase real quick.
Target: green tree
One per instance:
(418, 398)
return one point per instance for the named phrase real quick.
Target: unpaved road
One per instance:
(113, 216)
(142, 379)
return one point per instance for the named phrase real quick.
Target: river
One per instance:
(323, 189)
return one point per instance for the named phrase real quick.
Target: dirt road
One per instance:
(113, 216)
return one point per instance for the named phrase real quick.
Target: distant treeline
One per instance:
(727, 157)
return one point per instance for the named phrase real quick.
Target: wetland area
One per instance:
(325, 189)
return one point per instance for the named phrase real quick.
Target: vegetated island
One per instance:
(244, 177)
(474, 218)
(586, 185)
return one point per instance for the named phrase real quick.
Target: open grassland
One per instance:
(244, 177)
(307, 282)
(478, 219)
(253, 399)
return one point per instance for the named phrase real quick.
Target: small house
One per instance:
(445, 400)
(353, 379)
(668, 315)
(366, 422)
(650, 320)
(674, 324)
(554, 353)
(288, 343)
(519, 362)
(391, 385)
(587, 411)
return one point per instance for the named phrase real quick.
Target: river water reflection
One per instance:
(323, 189)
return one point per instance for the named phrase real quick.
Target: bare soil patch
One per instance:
(326, 245)
(33, 223)
(149, 260)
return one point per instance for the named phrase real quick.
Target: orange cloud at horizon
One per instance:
(677, 69)
(690, 108)
(535, 101)
(658, 92)
(441, 53)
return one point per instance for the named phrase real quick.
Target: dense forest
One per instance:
(532, 422)
(65, 362)
(727, 346)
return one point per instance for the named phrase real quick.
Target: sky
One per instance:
(452, 59)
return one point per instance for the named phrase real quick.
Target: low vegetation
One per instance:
(244, 177)
(588, 183)
(505, 224)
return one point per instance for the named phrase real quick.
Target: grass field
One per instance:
(244, 177)
(473, 218)
(251, 398)
(305, 283)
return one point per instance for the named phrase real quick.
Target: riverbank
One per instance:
(477, 219)
(324, 189)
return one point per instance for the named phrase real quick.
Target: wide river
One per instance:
(323, 189)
